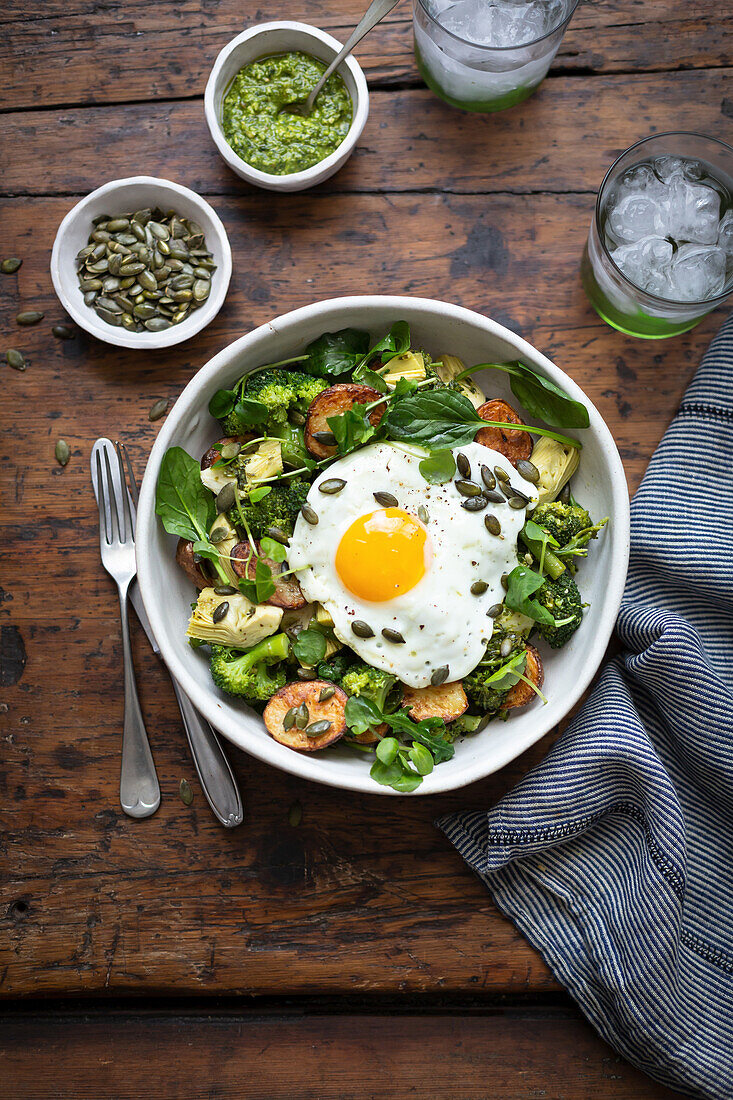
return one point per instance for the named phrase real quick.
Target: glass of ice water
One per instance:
(660, 250)
(485, 55)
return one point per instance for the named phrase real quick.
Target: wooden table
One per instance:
(353, 955)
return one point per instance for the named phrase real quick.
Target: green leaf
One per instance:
(273, 549)
(361, 714)
(396, 342)
(437, 419)
(540, 397)
(258, 493)
(251, 412)
(438, 468)
(522, 583)
(184, 504)
(369, 377)
(309, 647)
(504, 677)
(421, 758)
(428, 731)
(387, 774)
(351, 428)
(534, 531)
(336, 353)
(407, 782)
(404, 387)
(387, 749)
(222, 403)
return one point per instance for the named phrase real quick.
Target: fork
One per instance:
(139, 789)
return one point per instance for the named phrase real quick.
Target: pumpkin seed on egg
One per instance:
(464, 466)
(528, 470)
(467, 488)
(309, 514)
(492, 524)
(488, 478)
(495, 611)
(478, 588)
(331, 486)
(387, 500)
(501, 473)
(517, 502)
(362, 629)
(439, 676)
(475, 504)
(393, 636)
(423, 514)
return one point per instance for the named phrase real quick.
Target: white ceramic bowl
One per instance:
(599, 484)
(119, 196)
(274, 38)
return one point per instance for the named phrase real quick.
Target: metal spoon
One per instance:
(373, 15)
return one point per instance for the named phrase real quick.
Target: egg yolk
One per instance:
(382, 554)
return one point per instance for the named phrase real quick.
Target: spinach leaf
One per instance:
(222, 403)
(251, 412)
(396, 342)
(309, 647)
(336, 353)
(438, 419)
(539, 396)
(369, 377)
(361, 714)
(521, 586)
(438, 468)
(184, 504)
(351, 428)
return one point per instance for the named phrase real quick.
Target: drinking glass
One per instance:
(652, 313)
(483, 56)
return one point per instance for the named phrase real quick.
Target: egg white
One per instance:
(441, 621)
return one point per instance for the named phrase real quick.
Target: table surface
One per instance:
(356, 948)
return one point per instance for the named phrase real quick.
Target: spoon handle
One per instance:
(374, 13)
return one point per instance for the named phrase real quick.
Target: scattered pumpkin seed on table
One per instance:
(295, 814)
(62, 452)
(29, 317)
(159, 409)
(185, 793)
(63, 332)
(145, 270)
(10, 266)
(15, 359)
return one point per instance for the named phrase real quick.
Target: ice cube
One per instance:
(646, 263)
(725, 234)
(502, 23)
(695, 211)
(667, 167)
(639, 178)
(697, 273)
(636, 214)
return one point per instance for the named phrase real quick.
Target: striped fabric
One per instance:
(614, 856)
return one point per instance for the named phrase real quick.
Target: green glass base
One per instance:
(501, 103)
(638, 324)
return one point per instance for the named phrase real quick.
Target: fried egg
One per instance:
(407, 567)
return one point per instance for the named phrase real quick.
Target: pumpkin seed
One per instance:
(11, 265)
(108, 316)
(439, 676)
(185, 793)
(475, 504)
(302, 716)
(494, 496)
(158, 409)
(295, 814)
(423, 514)
(201, 290)
(362, 629)
(387, 500)
(326, 693)
(226, 498)
(157, 324)
(393, 636)
(230, 451)
(332, 486)
(15, 359)
(289, 719)
(501, 473)
(506, 646)
(63, 332)
(495, 611)
(328, 439)
(467, 488)
(528, 470)
(278, 535)
(488, 478)
(29, 317)
(224, 589)
(147, 280)
(90, 284)
(518, 502)
(505, 581)
(492, 524)
(315, 729)
(110, 305)
(117, 224)
(464, 466)
(62, 452)
(478, 588)
(309, 514)
(295, 416)
(307, 674)
(221, 611)
(219, 534)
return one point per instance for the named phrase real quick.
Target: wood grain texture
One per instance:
(456, 1056)
(560, 140)
(86, 52)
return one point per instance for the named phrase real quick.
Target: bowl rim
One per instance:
(120, 337)
(314, 174)
(189, 401)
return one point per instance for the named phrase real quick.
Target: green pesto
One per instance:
(283, 143)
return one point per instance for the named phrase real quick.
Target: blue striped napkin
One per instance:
(614, 856)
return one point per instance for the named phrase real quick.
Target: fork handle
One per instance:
(212, 767)
(139, 789)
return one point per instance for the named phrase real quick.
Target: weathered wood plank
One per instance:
(561, 140)
(373, 898)
(507, 1055)
(136, 51)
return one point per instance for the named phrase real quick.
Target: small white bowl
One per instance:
(276, 38)
(600, 484)
(118, 197)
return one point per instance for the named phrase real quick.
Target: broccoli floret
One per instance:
(372, 683)
(282, 391)
(563, 600)
(249, 673)
(488, 697)
(336, 666)
(563, 521)
(278, 509)
(463, 725)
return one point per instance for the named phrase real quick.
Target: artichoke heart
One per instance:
(243, 624)
(215, 478)
(224, 537)
(266, 461)
(410, 365)
(556, 463)
(447, 367)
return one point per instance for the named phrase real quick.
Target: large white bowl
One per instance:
(115, 198)
(600, 484)
(275, 38)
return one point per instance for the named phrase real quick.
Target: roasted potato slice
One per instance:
(295, 695)
(447, 701)
(522, 693)
(513, 445)
(192, 569)
(211, 455)
(334, 401)
(288, 593)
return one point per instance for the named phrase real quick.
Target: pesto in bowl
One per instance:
(281, 143)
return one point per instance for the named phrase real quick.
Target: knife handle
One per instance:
(212, 767)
